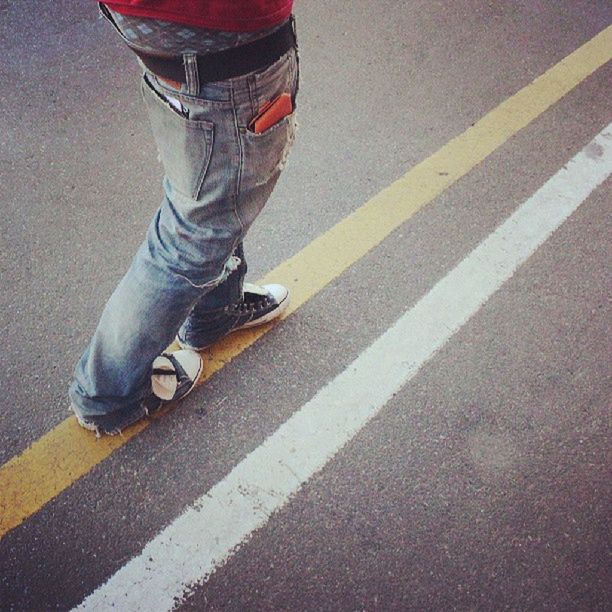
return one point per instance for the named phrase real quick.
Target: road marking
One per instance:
(202, 539)
(66, 453)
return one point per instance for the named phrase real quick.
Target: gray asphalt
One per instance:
(485, 483)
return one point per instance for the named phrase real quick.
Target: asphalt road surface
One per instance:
(429, 428)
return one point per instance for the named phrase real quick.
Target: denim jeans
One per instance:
(218, 177)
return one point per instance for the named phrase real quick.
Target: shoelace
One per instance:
(248, 306)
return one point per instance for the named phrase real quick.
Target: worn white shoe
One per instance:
(176, 374)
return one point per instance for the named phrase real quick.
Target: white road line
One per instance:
(202, 539)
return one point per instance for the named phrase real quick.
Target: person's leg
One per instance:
(218, 178)
(234, 304)
(141, 318)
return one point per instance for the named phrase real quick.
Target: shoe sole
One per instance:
(193, 386)
(274, 314)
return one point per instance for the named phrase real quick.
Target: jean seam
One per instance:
(250, 86)
(209, 137)
(237, 185)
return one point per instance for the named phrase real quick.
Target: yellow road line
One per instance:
(67, 452)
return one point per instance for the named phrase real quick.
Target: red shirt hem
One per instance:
(229, 23)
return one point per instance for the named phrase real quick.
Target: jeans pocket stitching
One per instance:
(194, 184)
(209, 136)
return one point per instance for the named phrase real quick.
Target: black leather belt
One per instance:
(228, 63)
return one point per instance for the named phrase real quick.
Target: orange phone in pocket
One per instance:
(271, 113)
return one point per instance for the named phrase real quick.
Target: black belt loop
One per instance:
(229, 63)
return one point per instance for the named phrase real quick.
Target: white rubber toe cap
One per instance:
(280, 293)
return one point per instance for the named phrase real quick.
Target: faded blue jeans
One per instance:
(218, 176)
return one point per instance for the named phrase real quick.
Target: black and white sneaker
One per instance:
(175, 374)
(259, 305)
